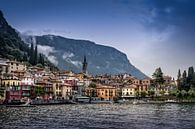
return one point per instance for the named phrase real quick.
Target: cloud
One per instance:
(48, 51)
(53, 59)
(67, 55)
(46, 32)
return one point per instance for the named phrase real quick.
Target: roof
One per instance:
(130, 86)
(105, 87)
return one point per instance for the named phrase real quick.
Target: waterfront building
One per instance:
(129, 91)
(57, 88)
(106, 92)
(67, 91)
(168, 80)
(90, 92)
(27, 86)
(47, 89)
(80, 88)
(13, 89)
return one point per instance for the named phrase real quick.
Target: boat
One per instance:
(135, 102)
(82, 99)
(170, 101)
(26, 104)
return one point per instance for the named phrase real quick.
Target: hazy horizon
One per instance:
(153, 33)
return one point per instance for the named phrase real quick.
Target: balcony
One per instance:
(25, 94)
(26, 88)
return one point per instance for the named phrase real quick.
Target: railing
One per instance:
(25, 94)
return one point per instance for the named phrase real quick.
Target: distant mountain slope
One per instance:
(68, 54)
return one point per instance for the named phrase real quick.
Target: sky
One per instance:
(153, 33)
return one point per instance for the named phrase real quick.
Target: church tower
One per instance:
(84, 65)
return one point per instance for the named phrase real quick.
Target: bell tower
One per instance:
(84, 70)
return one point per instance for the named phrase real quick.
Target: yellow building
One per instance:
(129, 91)
(90, 92)
(10, 82)
(106, 92)
(57, 88)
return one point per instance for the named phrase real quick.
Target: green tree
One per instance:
(39, 91)
(41, 59)
(92, 85)
(25, 57)
(184, 93)
(158, 76)
(191, 77)
(179, 80)
(184, 85)
(31, 59)
(35, 55)
(143, 94)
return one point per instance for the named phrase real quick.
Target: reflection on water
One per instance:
(109, 116)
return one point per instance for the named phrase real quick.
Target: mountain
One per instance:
(68, 54)
(12, 46)
(65, 53)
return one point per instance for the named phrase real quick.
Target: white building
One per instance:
(129, 91)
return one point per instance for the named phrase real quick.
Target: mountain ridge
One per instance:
(69, 53)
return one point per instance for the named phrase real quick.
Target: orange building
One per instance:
(106, 92)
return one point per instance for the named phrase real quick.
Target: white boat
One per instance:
(170, 101)
(135, 102)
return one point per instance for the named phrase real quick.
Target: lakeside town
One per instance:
(41, 85)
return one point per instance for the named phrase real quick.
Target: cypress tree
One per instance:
(31, 59)
(35, 56)
(179, 75)
(184, 81)
(191, 77)
(179, 80)
(41, 59)
(25, 57)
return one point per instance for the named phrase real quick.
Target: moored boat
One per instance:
(26, 104)
(170, 101)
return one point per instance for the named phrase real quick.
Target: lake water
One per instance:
(100, 116)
